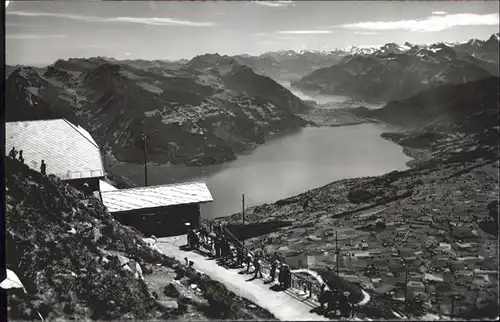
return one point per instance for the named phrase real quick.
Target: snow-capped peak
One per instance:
(361, 50)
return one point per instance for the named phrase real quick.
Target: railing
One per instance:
(310, 288)
(79, 174)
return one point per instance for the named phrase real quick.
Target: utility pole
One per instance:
(453, 298)
(337, 252)
(145, 161)
(406, 284)
(243, 213)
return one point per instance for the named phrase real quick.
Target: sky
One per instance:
(40, 32)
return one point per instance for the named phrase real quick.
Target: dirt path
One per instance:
(283, 306)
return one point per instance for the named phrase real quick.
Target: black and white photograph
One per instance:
(251, 160)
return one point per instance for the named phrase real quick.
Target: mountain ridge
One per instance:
(391, 74)
(208, 115)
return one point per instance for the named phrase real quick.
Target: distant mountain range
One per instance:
(291, 65)
(205, 110)
(201, 112)
(396, 72)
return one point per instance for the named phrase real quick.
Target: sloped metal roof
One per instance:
(104, 186)
(156, 196)
(69, 151)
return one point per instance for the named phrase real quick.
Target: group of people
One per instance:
(335, 301)
(222, 248)
(13, 155)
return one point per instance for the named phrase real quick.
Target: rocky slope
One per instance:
(441, 217)
(201, 112)
(397, 72)
(76, 262)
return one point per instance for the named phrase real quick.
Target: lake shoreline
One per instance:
(284, 166)
(336, 144)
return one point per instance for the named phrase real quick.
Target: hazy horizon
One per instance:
(40, 32)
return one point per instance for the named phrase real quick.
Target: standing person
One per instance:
(211, 238)
(331, 300)
(13, 153)
(86, 189)
(288, 277)
(196, 240)
(227, 250)
(239, 256)
(204, 234)
(248, 261)
(217, 246)
(222, 247)
(272, 273)
(344, 305)
(43, 168)
(323, 296)
(190, 237)
(256, 264)
(281, 275)
(21, 158)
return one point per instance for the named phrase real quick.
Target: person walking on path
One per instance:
(239, 256)
(281, 274)
(344, 305)
(223, 249)
(43, 168)
(256, 264)
(322, 296)
(21, 158)
(287, 277)
(196, 240)
(217, 246)
(204, 234)
(248, 260)
(190, 237)
(227, 251)
(272, 273)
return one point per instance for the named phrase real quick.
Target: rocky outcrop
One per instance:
(76, 262)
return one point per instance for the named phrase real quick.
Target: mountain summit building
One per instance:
(69, 151)
(71, 154)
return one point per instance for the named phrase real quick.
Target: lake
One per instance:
(326, 100)
(284, 167)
